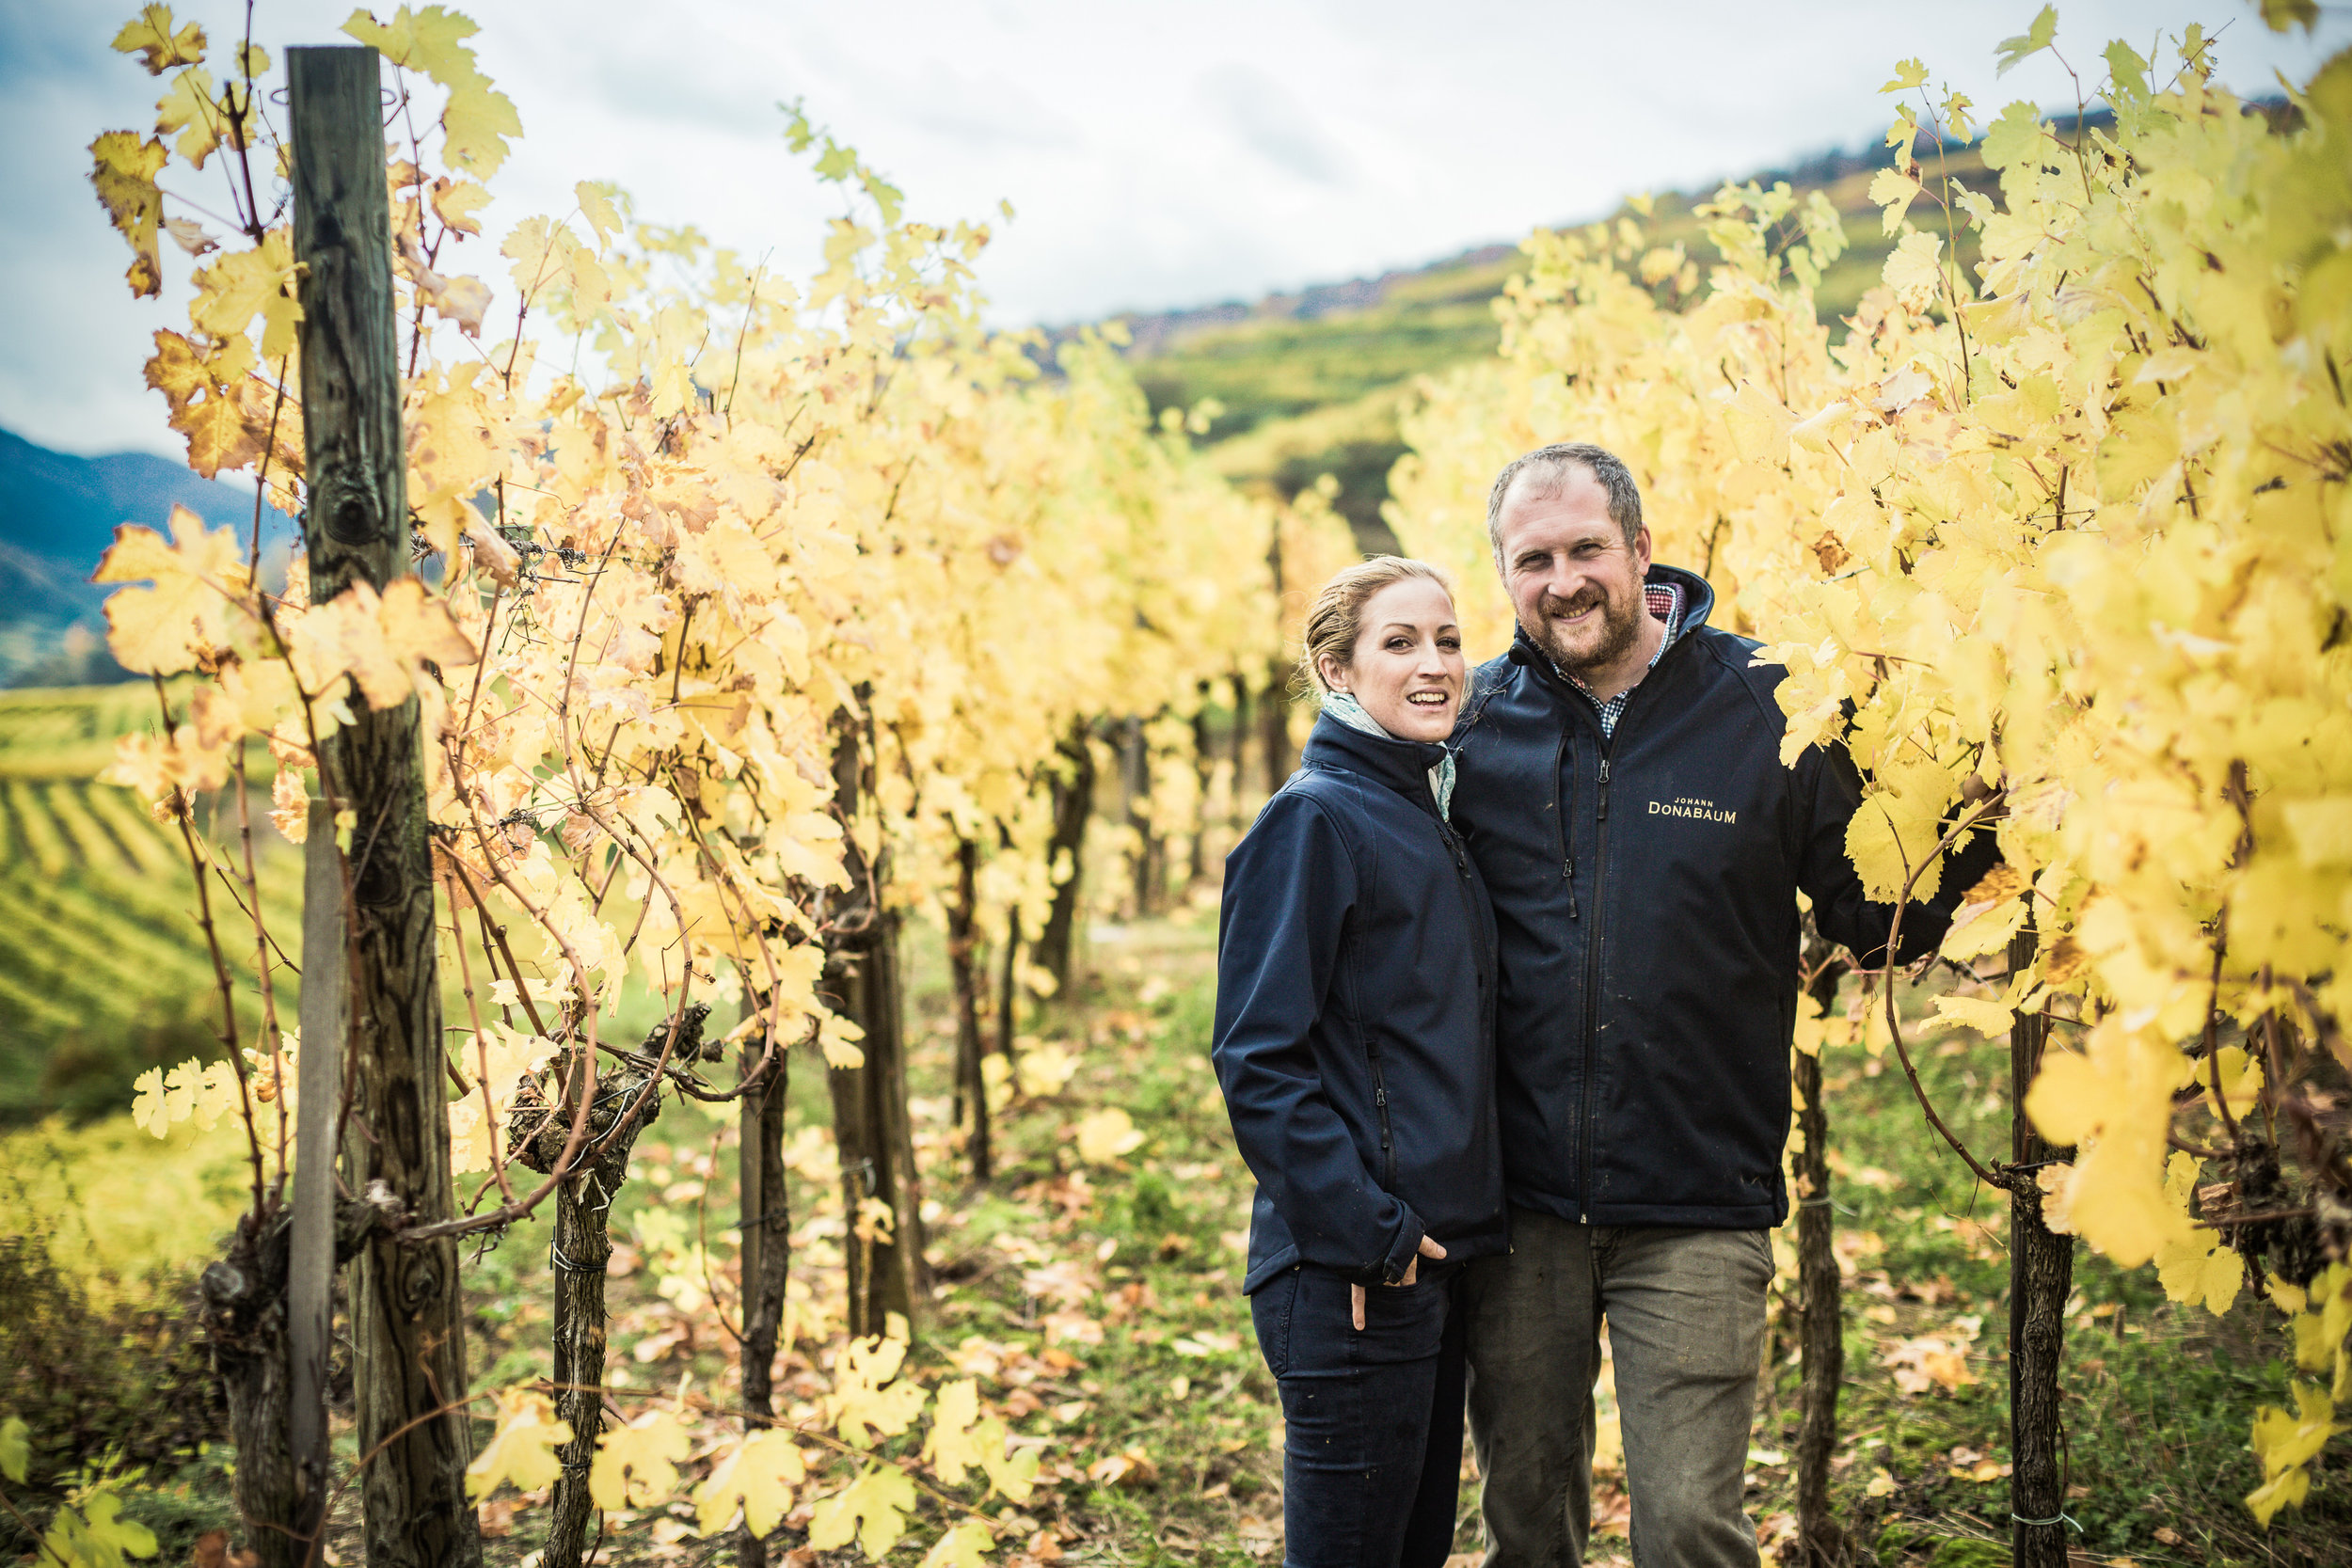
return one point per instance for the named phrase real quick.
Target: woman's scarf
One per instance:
(1348, 711)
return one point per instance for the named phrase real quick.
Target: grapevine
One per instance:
(752, 615)
(2056, 522)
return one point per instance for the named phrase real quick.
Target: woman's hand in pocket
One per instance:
(1429, 1249)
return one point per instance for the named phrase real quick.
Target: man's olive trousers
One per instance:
(1685, 1310)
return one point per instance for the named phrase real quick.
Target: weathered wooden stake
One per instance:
(1821, 1328)
(873, 1133)
(310, 1282)
(964, 963)
(1007, 993)
(1203, 766)
(2041, 1273)
(406, 1317)
(1240, 744)
(1073, 804)
(767, 1255)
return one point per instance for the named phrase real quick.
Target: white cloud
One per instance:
(1270, 121)
(1157, 155)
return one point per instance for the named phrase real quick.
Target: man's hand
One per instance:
(1412, 1272)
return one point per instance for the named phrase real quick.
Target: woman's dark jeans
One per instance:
(1373, 1460)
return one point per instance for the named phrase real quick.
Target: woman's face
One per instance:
(1406, 668)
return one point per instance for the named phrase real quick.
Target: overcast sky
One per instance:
(1157, 155)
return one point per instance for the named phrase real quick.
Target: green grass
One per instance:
(2157, 1397)
(1144, 1251)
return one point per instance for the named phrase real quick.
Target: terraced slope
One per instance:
(103, 971)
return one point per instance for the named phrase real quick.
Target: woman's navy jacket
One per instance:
(1645, 891)
(1354, 1019)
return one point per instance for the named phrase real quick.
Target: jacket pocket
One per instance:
(1270, 1312)
(1380, 1103)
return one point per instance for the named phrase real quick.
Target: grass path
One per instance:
(1097, 1304)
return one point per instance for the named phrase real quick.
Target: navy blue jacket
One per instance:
(1354, 1019)
(1644, 888)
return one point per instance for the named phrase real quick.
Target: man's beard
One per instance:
(1620, 625)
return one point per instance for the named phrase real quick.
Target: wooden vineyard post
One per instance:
(2041, 1273)
(1240, 744)
(1822, 1330)
(880, 1193)
(1274, 716)
(407, 1321)
(767, 1249)
(310, 1269)
(1073, 805)
(1274, 726)
(964, 962)
(1203, 770)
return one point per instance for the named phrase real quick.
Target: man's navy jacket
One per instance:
(1644, 889)
(1355, 1004)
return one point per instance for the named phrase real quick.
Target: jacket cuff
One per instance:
(1964, 868)
(1403, 1248)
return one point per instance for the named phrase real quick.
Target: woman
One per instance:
(1353, 1041)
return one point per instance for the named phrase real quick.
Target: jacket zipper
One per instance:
(1560, 815)
(1592, 975)
(1380, 1098)
(1470, 906)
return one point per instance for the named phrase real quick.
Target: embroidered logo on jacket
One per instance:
(1690, 805)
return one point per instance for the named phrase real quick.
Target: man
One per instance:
(1622, 790)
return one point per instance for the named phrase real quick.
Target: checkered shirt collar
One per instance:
(1664, 602)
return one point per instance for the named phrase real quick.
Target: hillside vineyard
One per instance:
(745, 618)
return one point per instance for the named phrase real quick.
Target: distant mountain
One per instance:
(58, 514)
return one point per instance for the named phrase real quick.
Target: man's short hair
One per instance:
(1546, 471)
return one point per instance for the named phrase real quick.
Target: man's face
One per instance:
(1573, 579)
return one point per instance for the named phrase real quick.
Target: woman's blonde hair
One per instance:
(1337, 615)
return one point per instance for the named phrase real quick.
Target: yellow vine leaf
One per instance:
(383, 643)
(93, 1534)
(967, 1546)
(2193, 1272)
(478, 117)
(522, 1448)
(2321, 1330)
(187, 107)
(1106, 1135)
(163, 629)
(456, 202)
(838, 1036)
(758, 1472)
(16, 1450)
(948, 1448)
(1915, 271)
(961, 1439)
(873, 1508)
(122, 171)
(2285, 1442)
(864, 1402)
(1985, 1016)
(1012, 1473)
(1894, 191)
(2114, 1103)
(159, 47)
(244, 284)
(1897, 829)
(1908, 75)
(636, 1465)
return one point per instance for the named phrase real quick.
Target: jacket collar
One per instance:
(1401, 765)
(1698, 602)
